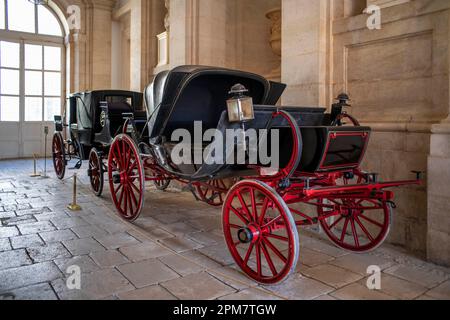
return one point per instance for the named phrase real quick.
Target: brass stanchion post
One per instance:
(35, 174)
(74, 206)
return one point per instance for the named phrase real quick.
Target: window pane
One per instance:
(10, 54)
(33, 57)
(33, 83)
(9, 108)
(47, 22)
(10, 81)
(52, 81)
(52, 107)
(33, 109)
(2, 14)
(21, 16)
(52, 58)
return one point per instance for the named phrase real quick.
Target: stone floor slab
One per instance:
(48, 252)
(147, 273)
(180, 244)
(181, 265)
(149, 293)
(89, 231)
(5, 245)
(23, 242)
(28, 275)
(251, 294)
(144, 251)
(332, 275)
(299, 287)
(441, 292)
(14, 259)
(6, 232)
(109, 258)
(83, 246)
(39, 292)
(85, 263)
(36, 227)
(200, 286)
(426, 277)
(58, 236)
(360, 263)
(94, 286)
(117, 241)
(356, 291)
(66, 223)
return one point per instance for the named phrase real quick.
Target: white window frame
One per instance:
(23, 38)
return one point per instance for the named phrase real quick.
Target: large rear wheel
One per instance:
(260, 232)
(59, 155)
(126, 177)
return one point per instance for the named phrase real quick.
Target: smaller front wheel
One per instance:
(59, 155)
(95, 173)
(260, 232)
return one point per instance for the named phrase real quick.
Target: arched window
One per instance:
(32, 76)
(31, 62)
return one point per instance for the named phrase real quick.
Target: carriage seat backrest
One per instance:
(205, 100)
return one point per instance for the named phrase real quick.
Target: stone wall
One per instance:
(398, 80)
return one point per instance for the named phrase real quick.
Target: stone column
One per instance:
(100, 48)
(305, 29)
(438, 240)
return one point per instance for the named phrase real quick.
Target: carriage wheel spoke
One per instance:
(371, 220)
(275, 250)
(258, 259)
(263, 211)
(244, 206)
(254, 211)
(239, 215)
(363, 228)
(273, 221)
(269, 259)
(249, 253)
(344, 229)
(235, 226)
(336, 222)
(277, 237)
(354, 232)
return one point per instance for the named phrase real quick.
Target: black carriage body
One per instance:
(96, 116)
(178, 98)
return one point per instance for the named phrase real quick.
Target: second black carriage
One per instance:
(94, 118)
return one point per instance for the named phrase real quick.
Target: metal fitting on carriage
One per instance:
(285, 183)
(419, 174)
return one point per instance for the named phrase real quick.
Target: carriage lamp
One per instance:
(240, 109)
(240, 106)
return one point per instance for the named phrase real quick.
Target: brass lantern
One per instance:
(240, 106)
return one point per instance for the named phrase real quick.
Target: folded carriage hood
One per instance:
(169, 88)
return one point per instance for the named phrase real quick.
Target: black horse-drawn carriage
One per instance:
(318, 179)
(94, 119)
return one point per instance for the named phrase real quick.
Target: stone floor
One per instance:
(174, 251)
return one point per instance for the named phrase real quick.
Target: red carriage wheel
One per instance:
(59, 155)
(213, 192)
(126, 177)
(260, 232)
(162, 183)
(96, 173)
(356, 224)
